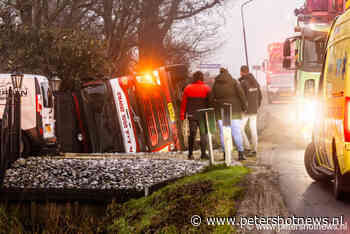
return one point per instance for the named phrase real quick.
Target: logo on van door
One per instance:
(5, 88)
(341, 66)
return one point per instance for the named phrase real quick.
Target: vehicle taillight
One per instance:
(347, 119)
(39, 106)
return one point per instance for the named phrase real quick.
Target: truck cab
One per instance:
(306, 60)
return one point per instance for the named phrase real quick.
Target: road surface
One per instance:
(283, 149)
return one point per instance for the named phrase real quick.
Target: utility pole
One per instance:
(244, 33)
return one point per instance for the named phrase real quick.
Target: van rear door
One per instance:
(48, 120)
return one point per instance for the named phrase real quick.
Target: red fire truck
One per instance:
(319, 11)
(279, 81)
(135, 113)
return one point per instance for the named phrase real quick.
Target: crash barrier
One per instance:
(207, 126)
(226, 115)
(10, 133)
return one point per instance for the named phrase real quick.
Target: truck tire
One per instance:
(338, 182)
(310, 162)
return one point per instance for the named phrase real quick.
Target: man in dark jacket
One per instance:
(228, 90)
(254, 96)
(195, 97)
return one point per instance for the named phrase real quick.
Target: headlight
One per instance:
(307, 112)
(80, 137)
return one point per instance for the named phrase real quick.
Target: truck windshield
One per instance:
(95, 96)
(313, 52)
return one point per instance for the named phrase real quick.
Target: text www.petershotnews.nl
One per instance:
(277, 223)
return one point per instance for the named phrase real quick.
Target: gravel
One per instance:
(41, 172)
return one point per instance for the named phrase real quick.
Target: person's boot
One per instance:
(241, 156)
(204, 156)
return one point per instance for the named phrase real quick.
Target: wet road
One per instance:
(283, 149)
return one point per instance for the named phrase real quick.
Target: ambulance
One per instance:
(328, 156)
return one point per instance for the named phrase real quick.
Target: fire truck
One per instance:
(279, 81)
(306, 58)
(136, 113)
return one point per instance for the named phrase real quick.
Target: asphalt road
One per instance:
(283, 149)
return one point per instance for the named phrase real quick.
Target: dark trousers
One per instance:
(194, 125)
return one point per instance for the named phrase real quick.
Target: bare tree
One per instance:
(158, 18)
(150, 27)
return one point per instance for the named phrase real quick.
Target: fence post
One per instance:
(208, 126)
(226, 114)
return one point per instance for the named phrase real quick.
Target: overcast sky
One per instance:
(266, 21)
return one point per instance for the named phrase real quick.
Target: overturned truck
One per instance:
(125, 114)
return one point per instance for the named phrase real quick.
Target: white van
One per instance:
(37, 111)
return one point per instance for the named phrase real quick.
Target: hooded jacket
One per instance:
(195, 97)
(228, 90)
(252, 91)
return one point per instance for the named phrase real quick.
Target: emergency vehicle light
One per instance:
(145, 79)
(156, 75)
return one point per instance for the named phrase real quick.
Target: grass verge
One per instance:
(213, 193)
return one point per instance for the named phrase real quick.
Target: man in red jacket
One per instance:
(195, 97)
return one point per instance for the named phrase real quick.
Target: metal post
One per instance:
(12, 126)
(19, 119)
(207, 120)
(226, 113)
(210, 140)
(244, 33)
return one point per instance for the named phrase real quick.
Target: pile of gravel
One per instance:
(105, 173)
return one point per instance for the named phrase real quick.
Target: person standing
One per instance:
(195, 97)
(254, 96)
(228, 90)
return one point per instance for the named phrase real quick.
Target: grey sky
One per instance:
(267, 21)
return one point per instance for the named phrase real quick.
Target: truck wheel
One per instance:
(311, 164)
(25, 146)
(338, 182)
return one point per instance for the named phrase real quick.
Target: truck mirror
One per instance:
(286, 48)
(286, 63)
